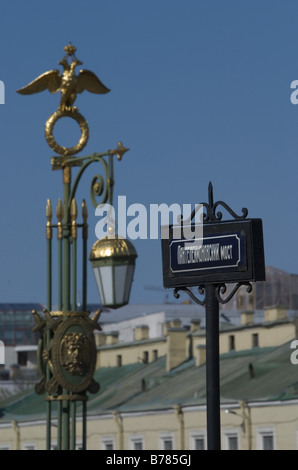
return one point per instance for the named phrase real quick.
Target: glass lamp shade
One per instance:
(113, 263)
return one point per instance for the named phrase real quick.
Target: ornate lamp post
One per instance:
(67, 351)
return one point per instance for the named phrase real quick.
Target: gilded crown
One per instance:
(70, 49)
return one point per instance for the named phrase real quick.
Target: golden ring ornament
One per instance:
(49, 127)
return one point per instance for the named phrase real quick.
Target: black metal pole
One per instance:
(212, 369)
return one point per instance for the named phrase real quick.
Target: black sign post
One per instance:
(223, 252)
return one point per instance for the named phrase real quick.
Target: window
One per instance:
(167, 444)
(255, 340)
(266, 439)
(268, 442)
(197, 440)
(119, 360)
(166, 441)
(29, 446)
(232, 442)
(199, 443)
(145, 357)
(8, 336)
(136, 443)
(155, 354)
(231, 439)
(22, 358)
(231, 343)
(108, 443)
(109, 446)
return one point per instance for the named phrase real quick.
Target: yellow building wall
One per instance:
(267, 336)
(130, 354)
(280, 419)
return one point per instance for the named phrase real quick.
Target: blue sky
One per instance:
(200, 91)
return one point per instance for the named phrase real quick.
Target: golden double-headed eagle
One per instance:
(68, 82)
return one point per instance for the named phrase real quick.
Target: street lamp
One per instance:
(113, 263)
(67, 350)
(231, 412)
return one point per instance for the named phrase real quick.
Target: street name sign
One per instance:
(225, 252)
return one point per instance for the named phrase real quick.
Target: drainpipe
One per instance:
(119, 421)
(180, 417)
(16, 429)
(247, 423)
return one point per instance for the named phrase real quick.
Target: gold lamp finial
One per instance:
(85, 217)
(49, 219)
(60, 215)
(73, 216)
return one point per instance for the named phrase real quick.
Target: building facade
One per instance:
(153, 388)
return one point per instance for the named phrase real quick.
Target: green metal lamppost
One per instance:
(67, 350)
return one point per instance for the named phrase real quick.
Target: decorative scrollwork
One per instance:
(222, 288)
(211, 215)
(201, 290)
(97, 187)
(219, 291)
(100, 186)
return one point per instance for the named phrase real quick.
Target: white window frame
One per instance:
(197, 435)
(231, 432)
(165, 436)
(32, 445)
(79, 445)
(107, 440)
(136, 438)
(263, 431)
(5, 447)
(54, 445)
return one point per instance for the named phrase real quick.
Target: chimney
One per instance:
(170, 324)
(195, 324)
(276, 313)
(100, 338)
(112, 337)
(247, 318)
(141, 332)
(200, 355)
(175, 323)
(176, 347)
(165, 328)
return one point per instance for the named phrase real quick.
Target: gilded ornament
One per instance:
(69, 84)
(70, 354)
(73, 354)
